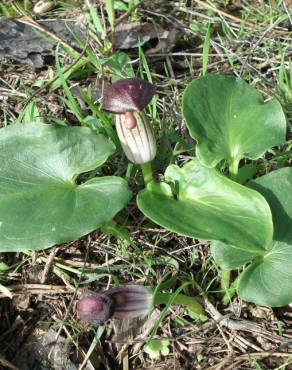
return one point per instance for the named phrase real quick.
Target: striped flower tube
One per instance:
(126, 99)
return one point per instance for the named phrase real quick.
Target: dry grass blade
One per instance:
(33, 289)
(7, 364)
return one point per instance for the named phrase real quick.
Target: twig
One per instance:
(258, 355)
(222, 364)
(5, 291)
(48, 264)
(37, 289)
(232, 324)
(226, 340)
(247, 343)
(7, 364)
(288, 13)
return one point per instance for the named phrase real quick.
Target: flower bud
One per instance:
(94, 308)
(130, 301)
(137, 142)
(124, 302)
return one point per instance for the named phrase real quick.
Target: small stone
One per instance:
(43, 7)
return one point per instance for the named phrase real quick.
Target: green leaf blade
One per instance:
(276, 188)
(210, 206)
(268, 280)
(40, 203)
(229, 119)
(230, 257)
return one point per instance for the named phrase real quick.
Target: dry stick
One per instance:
(222, 364)
(247, 356)
(19, 289)
(34, 287)
(239, 344)
(243, 325)
(7, 364)
(160, 248)
(126, 361)
(242, 62)
(230, 348)
(258, 355)
(226, 340)
(5, 291)
(221, 12)
(48, 264)
(244, 341)
(288, 13)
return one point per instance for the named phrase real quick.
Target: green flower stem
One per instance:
(233, 168)
(229, 294)
(189, 302)
(147, 172)
(129, 171)
(225, 282)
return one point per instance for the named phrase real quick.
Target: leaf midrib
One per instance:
(39, 188)
(35, 168)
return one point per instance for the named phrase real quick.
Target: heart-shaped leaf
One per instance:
(230, 120)
(268, 280)
(207, 205)
(276, 188)
(230, 257)
(40, 201)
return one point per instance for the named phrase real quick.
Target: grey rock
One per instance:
(25, 44)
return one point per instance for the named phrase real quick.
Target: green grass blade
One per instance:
(70, 101)
(109, 7)
(206, 48)
(95, 20)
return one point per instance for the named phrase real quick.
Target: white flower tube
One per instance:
(138, 143)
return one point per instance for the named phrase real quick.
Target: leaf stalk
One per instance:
(147, 172)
